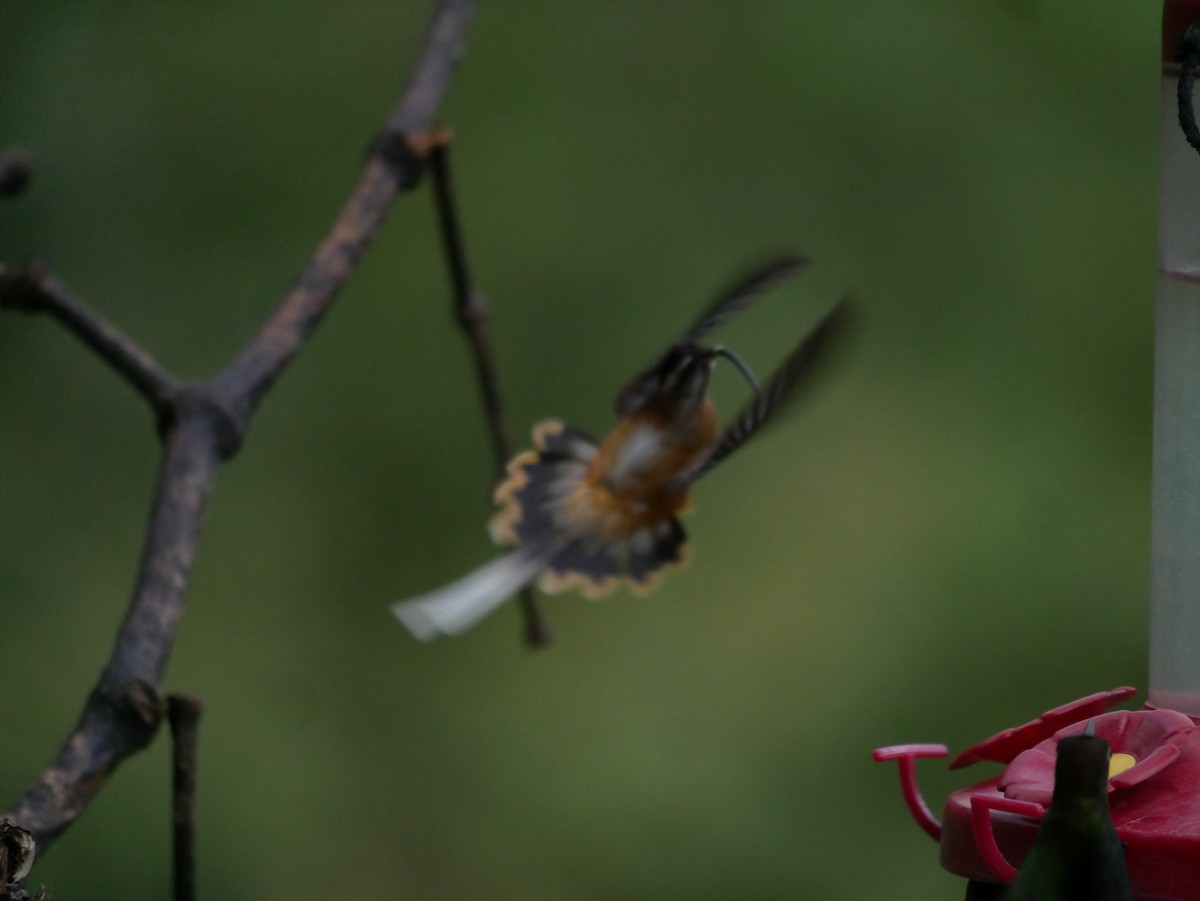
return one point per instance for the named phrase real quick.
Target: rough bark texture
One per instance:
(202, 424)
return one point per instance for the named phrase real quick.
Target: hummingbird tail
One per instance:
(456, 607)
(531, 499)
(538, 482)
(637, 561)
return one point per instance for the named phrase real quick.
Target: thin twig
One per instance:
(471, 309)
(183, 712)
(204, 424)
(33, 288)
(472, 313)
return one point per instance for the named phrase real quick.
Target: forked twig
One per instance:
(201, 424)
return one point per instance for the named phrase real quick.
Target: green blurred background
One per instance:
(950, 538)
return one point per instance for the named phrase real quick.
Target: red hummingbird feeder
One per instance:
(987, 829)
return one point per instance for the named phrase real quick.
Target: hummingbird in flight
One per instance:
(588, 515)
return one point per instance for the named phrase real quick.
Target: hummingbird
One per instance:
(1077, 855)
(594, 515)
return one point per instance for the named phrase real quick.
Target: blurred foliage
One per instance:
(950, 538)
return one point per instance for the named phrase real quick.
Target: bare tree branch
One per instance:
(394, 165)
(445, 43)
(124, 709)
(203, 423)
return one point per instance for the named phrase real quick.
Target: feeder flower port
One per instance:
(1143, 742)
(987, 828)
(1004, 746)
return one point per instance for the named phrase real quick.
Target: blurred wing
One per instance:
(740, 295)
(733, 300)
(798, 370)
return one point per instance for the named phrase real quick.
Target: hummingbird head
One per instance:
(1081, 768)
(684, 375)
(684, 384)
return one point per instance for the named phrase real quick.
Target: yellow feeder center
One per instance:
(1119, 763)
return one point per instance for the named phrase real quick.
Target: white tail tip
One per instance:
(456, 607)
